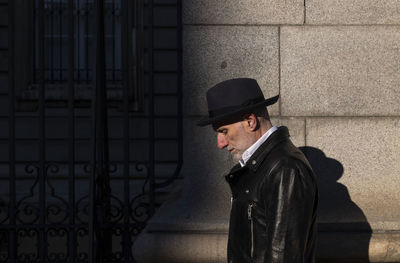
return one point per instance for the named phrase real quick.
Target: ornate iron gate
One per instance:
(94, 126)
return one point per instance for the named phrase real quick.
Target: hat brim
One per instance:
(207, 120)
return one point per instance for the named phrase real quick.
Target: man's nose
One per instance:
(221, 141)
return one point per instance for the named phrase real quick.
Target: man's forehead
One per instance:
(223, 125)
(230, 121)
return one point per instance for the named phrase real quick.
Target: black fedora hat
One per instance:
(234, 97)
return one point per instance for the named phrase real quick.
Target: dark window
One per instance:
(56, 43)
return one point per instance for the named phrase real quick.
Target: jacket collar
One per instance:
(259, 155)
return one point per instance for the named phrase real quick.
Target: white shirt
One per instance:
(249, 152)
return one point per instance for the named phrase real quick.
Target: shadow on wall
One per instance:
(343, 230)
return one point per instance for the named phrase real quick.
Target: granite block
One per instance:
(357, 161)
(340, 71)
(243, 12)
(352, 12)
(296, 128)
(215, 53)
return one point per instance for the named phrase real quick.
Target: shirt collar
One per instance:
(249, 152)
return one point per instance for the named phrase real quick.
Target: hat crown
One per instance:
(231, 98)
(233, 92)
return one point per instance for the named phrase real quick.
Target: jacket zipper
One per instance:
(249, 216)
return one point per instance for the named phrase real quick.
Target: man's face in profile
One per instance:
(233, 137)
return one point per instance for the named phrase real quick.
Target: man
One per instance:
(274, 193)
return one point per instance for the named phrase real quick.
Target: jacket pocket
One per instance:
(251, 222)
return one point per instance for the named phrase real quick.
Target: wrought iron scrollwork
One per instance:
(117, 256)
(4, 211)
(56, 234)
(82, 205)
(82, 209)
(139, 205)
(4, 243)
(140, 208)
(115, 212)
(28, 238)
(59, 216)
(27, 211)
(57, 208)
(83, 239)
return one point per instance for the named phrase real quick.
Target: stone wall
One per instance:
(336, 66)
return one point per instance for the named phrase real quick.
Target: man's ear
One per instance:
(250, 122)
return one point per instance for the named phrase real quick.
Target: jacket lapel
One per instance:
(282, 134)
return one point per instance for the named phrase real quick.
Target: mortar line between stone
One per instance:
(297, 25)
(279, 71)
(244, 25)
(320, 116)
(305, 132)
(305, 10)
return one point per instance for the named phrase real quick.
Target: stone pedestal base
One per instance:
(196, 246)
(183, 247)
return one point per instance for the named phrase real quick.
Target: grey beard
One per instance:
(234, 159)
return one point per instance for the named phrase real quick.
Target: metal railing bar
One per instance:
(102, 238)
(140, 45)
(114, 178)
(162, 72)
(62, 83)
(71, 132)
(92, 182)
(86, 39)
(138, 115)
(113, 39)
(12, 245)
(126, 84)
(162, 4)
(160, 27)
(113, 86)
(151, 171)
(82, 115)
(87, 162)
(180, 88)
(45, 226)
(76, 226)
(78, 36)
(41, 245)
(163, 49)
(86, 139)
(60, 13)
(51, 41)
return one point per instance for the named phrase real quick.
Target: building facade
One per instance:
(336, 66)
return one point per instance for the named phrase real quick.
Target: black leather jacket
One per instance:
(274, 204)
